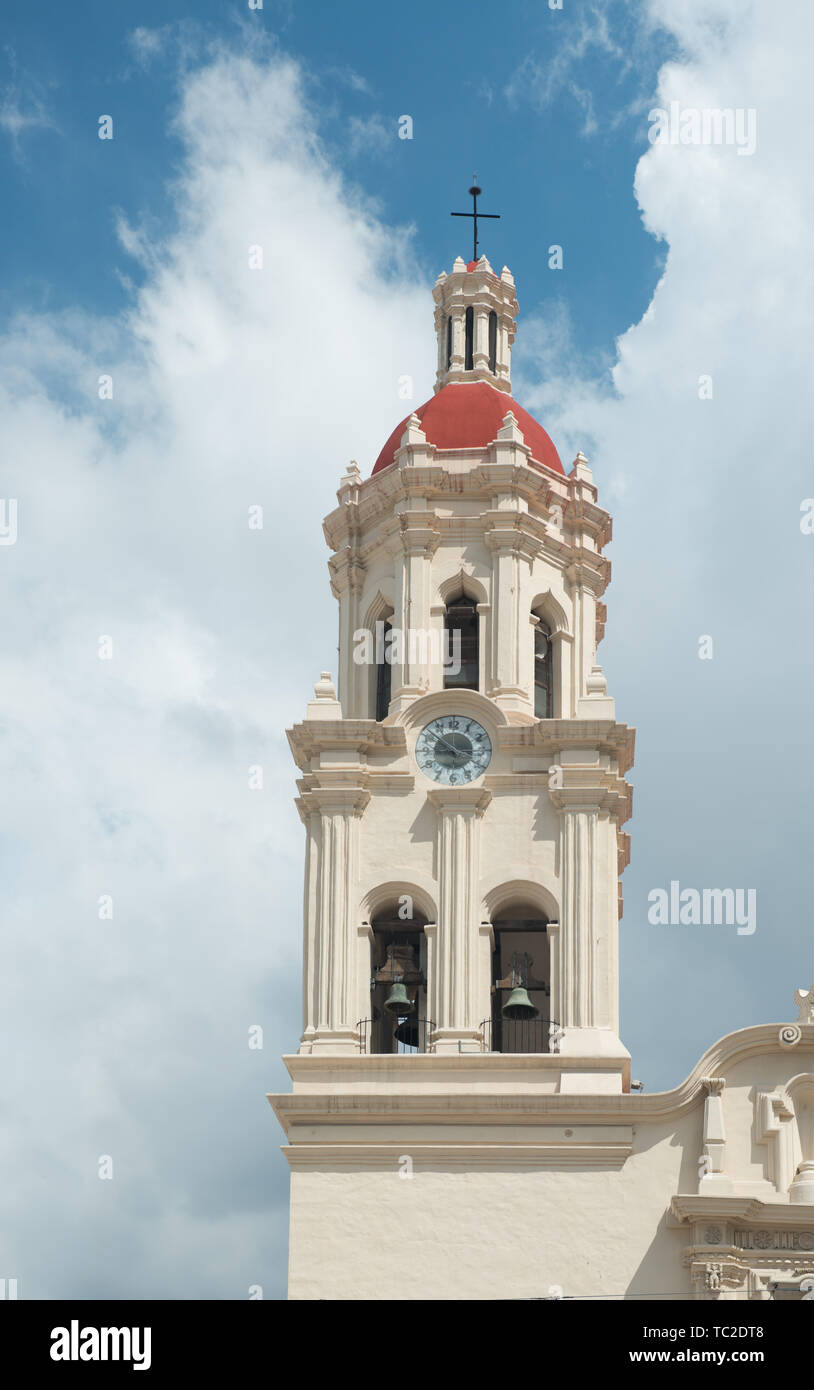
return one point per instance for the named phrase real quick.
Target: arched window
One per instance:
(493, 342)
(398, 985)
(520, 982)
(383, 669)
(449, 340)
(469, 330)
(461, 656)
(543, 673)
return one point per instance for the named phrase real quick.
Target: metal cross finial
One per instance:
(475, 192)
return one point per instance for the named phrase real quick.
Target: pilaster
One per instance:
(457, 948)
(331, 996)
(411, 674)
(712, 1177)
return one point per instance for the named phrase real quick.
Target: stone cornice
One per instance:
(609, 794)
(332, 799)
(465, 472)
(360, 736)
(503, 1105)
(419, 532)
(554, 735)
(751, 1210)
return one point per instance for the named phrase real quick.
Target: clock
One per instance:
(453, 750)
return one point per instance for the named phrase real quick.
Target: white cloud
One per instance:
(148, 44)
(129, 777)
(22, 112)
(706, 496)
(370, 135)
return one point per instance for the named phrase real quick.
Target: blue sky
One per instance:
(129, 777)
(554, 146)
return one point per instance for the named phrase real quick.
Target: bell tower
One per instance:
(463, 793)
(475, 313)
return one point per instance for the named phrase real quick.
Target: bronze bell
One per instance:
(518, 1005)
(398, 1001)
(407, 1032)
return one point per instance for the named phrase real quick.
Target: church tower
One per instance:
(462, 788)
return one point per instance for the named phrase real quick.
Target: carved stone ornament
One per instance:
(804, 999)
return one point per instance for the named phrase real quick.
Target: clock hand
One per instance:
(456, 752)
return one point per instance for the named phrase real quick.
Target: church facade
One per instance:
(461, 1103)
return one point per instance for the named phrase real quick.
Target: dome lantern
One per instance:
(475, 316)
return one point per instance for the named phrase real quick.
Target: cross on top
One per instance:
(475, 192)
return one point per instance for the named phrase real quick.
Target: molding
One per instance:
(624, 1108)
(361, 736)
(467, 702)
(609, 1152)
(774, 1216)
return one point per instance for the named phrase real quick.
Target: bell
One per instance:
(407, 1032)
(518, 1005)
(398, 1001)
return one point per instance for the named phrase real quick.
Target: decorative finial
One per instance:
(474, 194)
(324, 688)
(324, 704)
(804, 999)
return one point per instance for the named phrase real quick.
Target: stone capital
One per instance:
(460, 800)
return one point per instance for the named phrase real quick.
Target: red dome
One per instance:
(468, 416)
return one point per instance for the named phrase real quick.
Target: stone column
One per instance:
(364, 952)
(577, 983)
(347, 578)
(457, 953)
(510, 627)
(331, 969)
(456, 363)
(412, 667)
(503, 351)
(480, 344)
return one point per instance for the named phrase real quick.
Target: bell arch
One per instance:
(520, 1015)
(395, 964)
(378, 686)
(462, 582)
(551, 611)
(550, 638)
(384, 894)
(520, 890)
(464, 603)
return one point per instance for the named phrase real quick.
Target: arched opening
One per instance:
(493, 342)
(521, 981)
(384, 669)
(449, 340)
(461, 655)
(469, 333)
(398, 985)
(543, 671)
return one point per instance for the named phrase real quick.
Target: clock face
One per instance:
(453, 750)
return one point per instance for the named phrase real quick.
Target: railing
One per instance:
(401, 1037)
(516, 1034)
(396, 1037)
